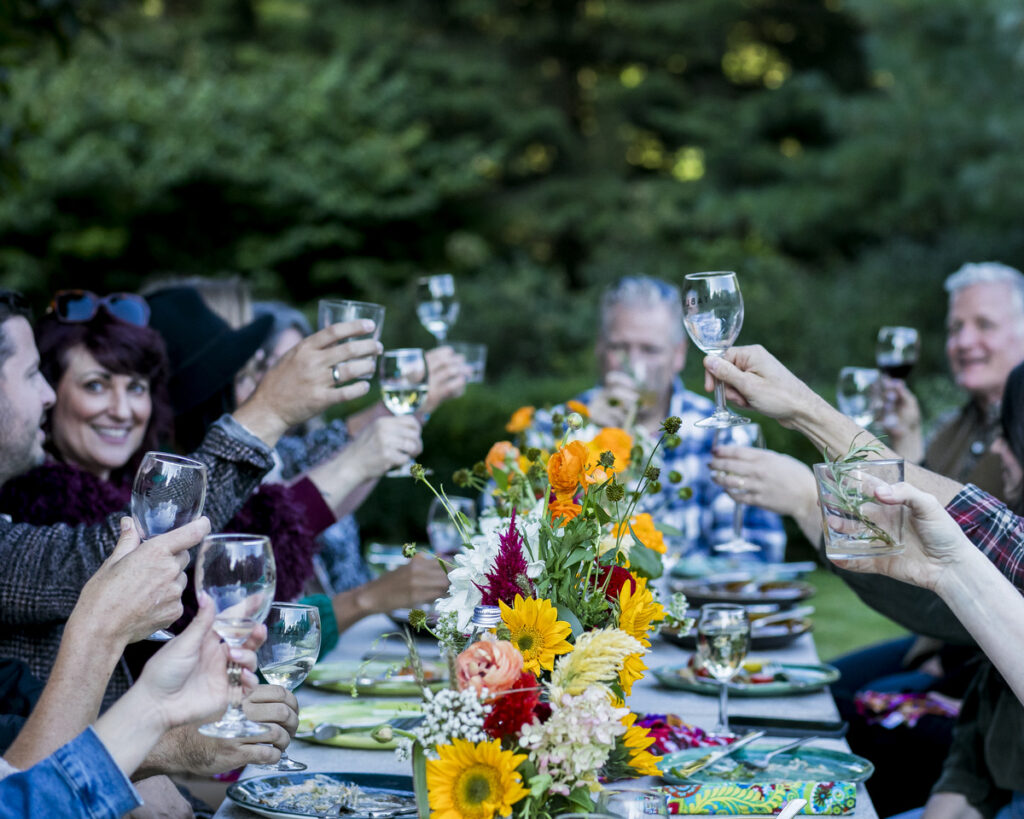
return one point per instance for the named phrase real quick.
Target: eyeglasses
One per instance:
(74, 306)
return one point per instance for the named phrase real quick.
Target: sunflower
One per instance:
(638, 609)
(473, 781)
(536, 632)
(637, 741)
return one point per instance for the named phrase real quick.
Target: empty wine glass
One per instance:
(713, 315)
(746, 435)
(443, 534)
(896, 354)
(723, 637)
(236, 571)
(169, 491)
(335, 311)
(476, 359)
(288, 654)
(436, 304)
(403, 386)
(859, 394)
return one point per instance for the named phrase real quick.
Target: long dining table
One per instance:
(648, 696)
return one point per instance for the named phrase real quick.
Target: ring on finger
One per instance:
(336, 375)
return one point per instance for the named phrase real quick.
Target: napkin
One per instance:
(736, 798)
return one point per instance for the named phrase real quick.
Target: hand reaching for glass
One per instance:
(385, 443)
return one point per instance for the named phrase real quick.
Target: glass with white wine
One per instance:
(723, 638)
(437, 306)
(288, 654)
(403, 386)
(713, 316)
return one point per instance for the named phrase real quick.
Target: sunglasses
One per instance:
(74, 306)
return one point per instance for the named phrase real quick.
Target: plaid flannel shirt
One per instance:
(995, 530)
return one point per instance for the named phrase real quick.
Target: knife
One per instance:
(687, 770)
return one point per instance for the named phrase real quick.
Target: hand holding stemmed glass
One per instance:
(713, 315)
(859, 394)
(237, 572)
(168, 491)
(403, 386)
(723, 638)
(437, 306)
(288, 654)
(745, 435)
(896, 354)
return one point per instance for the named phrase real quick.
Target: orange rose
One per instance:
(563, 510)
(520, 420)
(567, 468)
(498, 456)
(616, 441)
(644, 529)
(578, 406)
(491, 664)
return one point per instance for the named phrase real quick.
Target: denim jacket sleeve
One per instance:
(79, 779)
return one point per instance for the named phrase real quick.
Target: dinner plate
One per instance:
(377, 677)
(370, 713)
(805, 764)
(745, 592)
(762, 638)
(800, 679)
(383, 795)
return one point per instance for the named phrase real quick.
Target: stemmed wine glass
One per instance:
(723, 637)
(236, 571)
(713, 315)
(443, 534)
(290, 650)
(896, 354)
(436, 304)
(746, 435)
(403, 386)
(859, 394)
(169, 491)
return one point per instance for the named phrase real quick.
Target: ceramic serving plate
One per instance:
(380, 678)
(303, 793)
(353, 712)
(805, 764)
(784, 679)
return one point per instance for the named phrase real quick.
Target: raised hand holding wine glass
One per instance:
(713, 316)
(168, 492)
(403, 386)
(723, 638)
(896, 354)
(437, 306)
(288, 654)
(237, 572)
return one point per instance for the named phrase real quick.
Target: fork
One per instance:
(327, 730)
(762, 762)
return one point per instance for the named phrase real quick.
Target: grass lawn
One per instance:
(841, 621)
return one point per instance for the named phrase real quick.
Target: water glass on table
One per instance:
(288, 654)
(168, 491)
(723, 639)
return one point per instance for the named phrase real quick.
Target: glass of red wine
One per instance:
(895, 355)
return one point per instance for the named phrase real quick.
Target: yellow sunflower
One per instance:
(536, 632)
(473, 781)
(637, 740)
(632, 670)
(638, 610)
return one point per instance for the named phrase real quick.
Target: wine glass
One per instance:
(713, 315)
(859, 394)
(403, 386)
(436, 304)
(632, 803)
(236, 571)
(169, 491)
(290, 650)
(746, 435)
(896, 354)
(335, 311)
(476, 359)
(442, 532)
(723, 637)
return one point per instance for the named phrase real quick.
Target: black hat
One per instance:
(205, 353)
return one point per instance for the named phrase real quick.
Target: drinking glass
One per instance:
(236, 571)
(632, 803)
(436, 304)
(854, 523)
(476, 359)
(896, 354)
(334, 311)
(746, 435)
(403, 386)
(859, 394)
(290, 650)
(713, 315)
(723, 637)
(169, 491)
(442, 532)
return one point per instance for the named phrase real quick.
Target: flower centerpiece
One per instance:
(535, 718)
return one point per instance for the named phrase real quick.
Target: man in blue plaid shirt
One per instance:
(641, 351)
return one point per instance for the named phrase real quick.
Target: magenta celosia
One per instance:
(507, 577)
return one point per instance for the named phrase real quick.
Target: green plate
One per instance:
(377, 677)
(802, 679)
(805, 764)
(351, 712)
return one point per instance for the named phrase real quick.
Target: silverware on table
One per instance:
(328, 730)
(690, 768)
(761, 763)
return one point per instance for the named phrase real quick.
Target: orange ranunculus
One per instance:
(643, 528)
(498, 456)
(578, 406)
(616, 441)
(520, 420)
(567, 468)
(491, 664)
(563, 510)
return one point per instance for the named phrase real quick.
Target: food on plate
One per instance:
(318, 794)
(752, 672)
